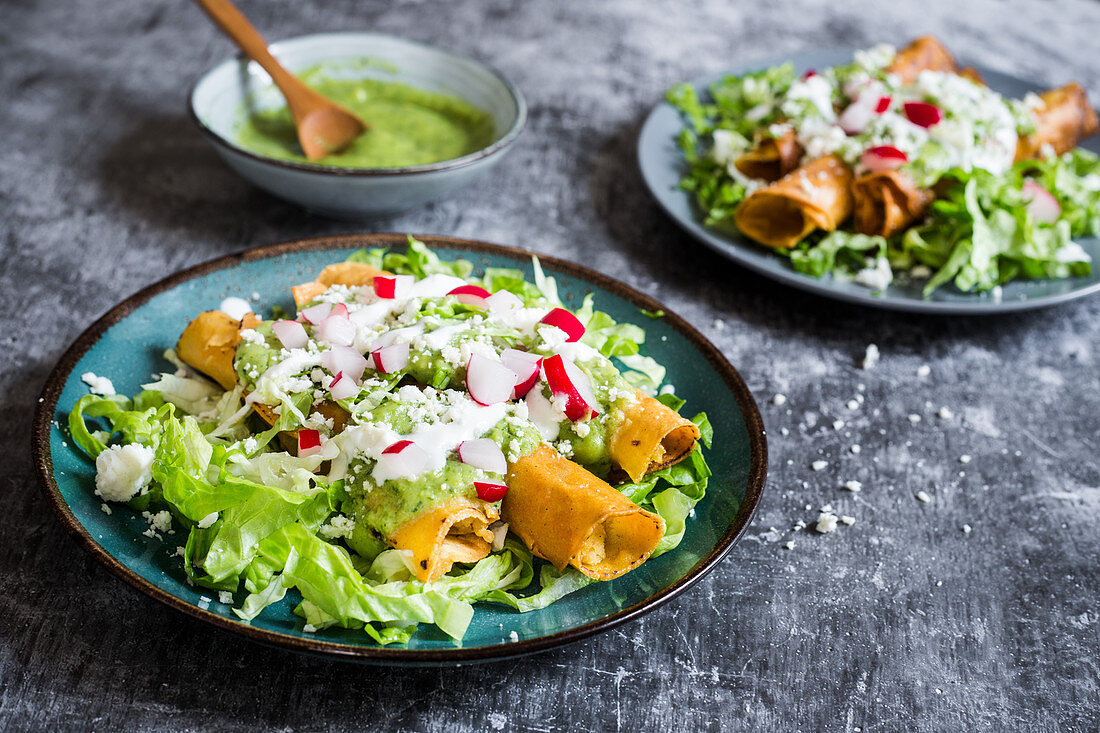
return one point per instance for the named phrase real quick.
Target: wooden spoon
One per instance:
(324, 127)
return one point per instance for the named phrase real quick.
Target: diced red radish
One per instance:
(309, 442)
(336, 329)
(317, 313)
(489, 381)
(483, 453)
(471, 295)
(856, 116)
(565, 377)
(291, 334)
(566, 321)
(502, 300)
(855, 85)
(923, 113)
(392, 286)
(403, 459)
(490, 491)
(342, 387)
(397, 447)
(883, 104)
(526, 366)
(883, 158)
(392, 358)
(344, 359)
(809, 74)
(1041, 204)
(340, 310)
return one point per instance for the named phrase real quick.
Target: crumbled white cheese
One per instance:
(826, 522)
(853, 404)
(513, 636)
(924, 370)
(105, 509)
(838, 424)
(784, 432)
(871, 357)
(967, 529)
(719, 324)
(789, 545)
(225, 597)
(234, 307)
(876, 278)
(853, 486)
(914, 418)
(847, 520)
(208, 520)
(122, 471)
(855, 448)
(779, 399)
(339, 526)
(309, 628)
(945, 413)
(819, 465)
(964, 458)
(98, 385)
(923, 496)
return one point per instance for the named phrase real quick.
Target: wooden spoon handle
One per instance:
(232, 21)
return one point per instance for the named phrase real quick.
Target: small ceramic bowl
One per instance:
(357, 193)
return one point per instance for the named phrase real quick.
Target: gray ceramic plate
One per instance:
(662, 167)
(126, 344)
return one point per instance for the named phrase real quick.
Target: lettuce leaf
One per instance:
(417, 260)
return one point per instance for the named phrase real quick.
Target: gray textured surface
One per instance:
(901, 621)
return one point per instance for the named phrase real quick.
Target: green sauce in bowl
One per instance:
(406, 126)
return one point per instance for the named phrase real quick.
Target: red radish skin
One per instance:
(317, 313)
(882, 105)
(336, 329)
(390, 287)
(565, 377)
(309, 442)
(483, 453)
(489, 381)
(291, 334)
(810, 73)
(471, 295)
(1041, 203)
(339, 310)
(491, 492)
(923, 113)
(342, 388)
(502, 301)
(883, 158)
(526, 366)
(397, 447)
(566, 321)
(855, 117)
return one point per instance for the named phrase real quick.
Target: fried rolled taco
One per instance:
(815, 196)
(651, 437)
(1064, 119)
(568, 516)
(886, 202)
(772, 157)
(922, 54)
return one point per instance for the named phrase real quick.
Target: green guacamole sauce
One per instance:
(407, 126)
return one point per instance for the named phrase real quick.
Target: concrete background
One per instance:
(901, 621)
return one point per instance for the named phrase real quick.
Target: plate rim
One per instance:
(731, 249)
(47, 406)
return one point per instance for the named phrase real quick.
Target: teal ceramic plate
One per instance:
(126, 344)
(662, 166)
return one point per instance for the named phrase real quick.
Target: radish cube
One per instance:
(483, 453)
(397, 447)
(336, 329)
(565, 377)
(392, 358)
(1041, 204)
(392, 286)
(882, 105)
(502, 301)
(317, 313)
(309, 442)
(526, 366)
(566, 321)
(490, 491)
(344, 359)
(471, 295)
(342, 388)
(489, 381)
(291, 334)
(403, 459)
(883, 158)
(855, 116)
(923, 113)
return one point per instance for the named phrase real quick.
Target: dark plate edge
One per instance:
(728, 248)
(47, 405)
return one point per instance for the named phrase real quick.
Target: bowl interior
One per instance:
(220, 95)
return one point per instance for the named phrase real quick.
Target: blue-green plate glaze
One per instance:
(663, 166)
(126, 344)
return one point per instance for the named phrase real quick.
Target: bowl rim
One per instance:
(738, 522)
(503, 142)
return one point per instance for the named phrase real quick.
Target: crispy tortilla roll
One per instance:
(923, 54)
(772, 157)
(340, 273)
(568, 516)
(209, 343)
(1065, 119)
(443, 535)
(651, 437)
(815, 196)
(887, 202)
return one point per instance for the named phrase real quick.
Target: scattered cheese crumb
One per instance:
(914, 418)
(788, 545)
(848, 520)
(945, 413)
(853, 405)
(784, 431)
(855, 448)
(966, 528)
(122, 471)
(779, 399)
(923, 496)
(819, 465)
(309, 628)
(719, 324)
(924, 370)
(838, 424)
(98, 385)
(208, 520)
(105, 509)
(225, 597)
(854, 486)
(871, 357)
(964, 458)
(826, 522)
(513, 636)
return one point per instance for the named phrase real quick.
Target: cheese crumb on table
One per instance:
(826, 522)
(122, 471)
(853, 486)
(871, 357)
(924, 370)
(819, 465)
(964, 458)
(945, 413)
(914, 418)
(966, 528)
(779, 399)
(97, 384)
(923, 496)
